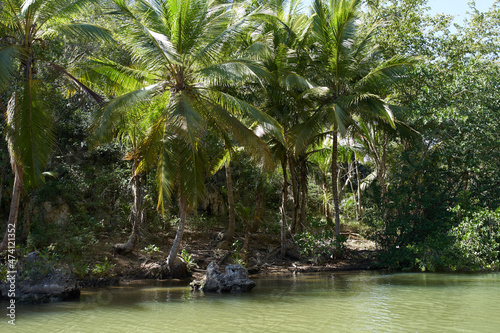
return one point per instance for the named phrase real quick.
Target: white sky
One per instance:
(457, 8)
(451, 7)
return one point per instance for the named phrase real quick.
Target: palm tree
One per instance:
(224, 159)
(26, 28)
(376, 140)
(282, 36)
(182, 48)
(352, 78)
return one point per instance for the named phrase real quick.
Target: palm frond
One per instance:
(386, 74)
(82, 30)
(8, 55)
(219, 161)
(337, 116)
(31, 131)
(238, 106)
(118, 78)
(109, 116)
(233, 71)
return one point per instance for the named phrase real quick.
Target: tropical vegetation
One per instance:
(332, 119)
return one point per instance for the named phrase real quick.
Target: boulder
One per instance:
(38, 281)
(234, 280)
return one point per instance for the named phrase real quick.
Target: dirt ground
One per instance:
(264, 257)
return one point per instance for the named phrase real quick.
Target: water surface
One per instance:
(339, 302)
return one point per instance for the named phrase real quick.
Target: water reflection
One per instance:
(340, 302)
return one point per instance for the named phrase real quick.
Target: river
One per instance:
(334, 302)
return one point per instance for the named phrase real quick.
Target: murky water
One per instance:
(340, 302)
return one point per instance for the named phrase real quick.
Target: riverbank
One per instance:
(263, 259)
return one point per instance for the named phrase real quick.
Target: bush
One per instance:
(477, 239)
(321, 246)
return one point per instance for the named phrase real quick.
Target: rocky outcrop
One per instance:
(38, 281)
(234, 280)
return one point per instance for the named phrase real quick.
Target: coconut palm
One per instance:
(279, 44)
(180, 49)
(352, 78)
(26, 28)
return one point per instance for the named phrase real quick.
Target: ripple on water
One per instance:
(344, 302)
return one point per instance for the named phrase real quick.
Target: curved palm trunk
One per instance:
(137, 215)
(230, 199)
(284, 195)
(178, 236)
(335, 190)
(14, 205)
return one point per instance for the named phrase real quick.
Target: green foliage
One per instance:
(319, 246)
(472, 245)
(81, 269)
(238, 255)
(151, 249)
(4, 268)
(180, 88)
(188, 259)
(41, 266)
(477, 239)
(103, 269)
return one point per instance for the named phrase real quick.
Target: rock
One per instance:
(224, 245)
(234, 280)
(179, 269)
(160, 270)
(58, 213)
(38, 281)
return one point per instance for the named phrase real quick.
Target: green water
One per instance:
(340, 302)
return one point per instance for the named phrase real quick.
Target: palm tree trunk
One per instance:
(137, 215)
(14, 205)
(284, 195)
(230, 199)
(259, 206)
(26, 219)
(295, 193)
(335, 190)
(358, 176)
(351, 185)
(178, 236)
(303, 198)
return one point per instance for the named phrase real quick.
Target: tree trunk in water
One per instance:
(295, 193)
(335, 190)
(178, 236)
(137, 215)
(230, 199)
(14, 205)
(284, 195)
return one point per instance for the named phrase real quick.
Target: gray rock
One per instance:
(234, 280)
(37, 281)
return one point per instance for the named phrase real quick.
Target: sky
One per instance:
(451, 7)
(457, 7)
